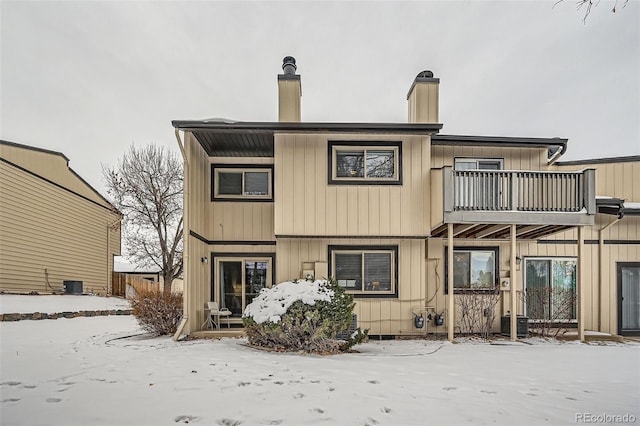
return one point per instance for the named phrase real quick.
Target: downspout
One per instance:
(181, 145)
(601, 267)
(110, 227)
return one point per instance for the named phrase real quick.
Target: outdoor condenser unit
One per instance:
(522, 326)
(72, 287)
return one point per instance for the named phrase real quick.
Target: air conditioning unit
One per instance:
(72, 287)
(522, 326)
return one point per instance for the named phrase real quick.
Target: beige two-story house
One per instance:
(57, 233)
(407, 219)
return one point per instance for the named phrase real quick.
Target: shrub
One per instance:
(156, 312)
(477, 312)
(551, 309)
(302, 316)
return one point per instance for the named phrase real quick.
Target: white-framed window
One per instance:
(367, 163)
(474, 269)
(238, 183)
(462, 163)
(550, 288)
(365, 270)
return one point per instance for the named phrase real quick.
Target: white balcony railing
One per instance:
(519, 191)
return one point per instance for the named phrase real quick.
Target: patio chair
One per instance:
(215, 311)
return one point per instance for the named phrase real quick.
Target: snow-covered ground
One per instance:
(84, 371)
(49, 304)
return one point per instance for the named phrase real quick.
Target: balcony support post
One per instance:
(513, 291)
(579, 284)
(450, 313)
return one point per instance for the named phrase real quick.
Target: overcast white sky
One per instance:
(89, 78)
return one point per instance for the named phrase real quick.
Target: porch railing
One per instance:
(521, 191)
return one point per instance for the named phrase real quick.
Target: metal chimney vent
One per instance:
(289, 65)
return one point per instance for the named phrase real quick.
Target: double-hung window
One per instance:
(242, 183)
(365, 163)
(365, 270)
(474, 269)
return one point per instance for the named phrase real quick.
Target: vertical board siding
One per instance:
(240, 221)
(44, 227)
(382, 316)
(197, 274)
(305, 204)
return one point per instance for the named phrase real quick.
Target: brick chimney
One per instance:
(423, 99)
(289, 91)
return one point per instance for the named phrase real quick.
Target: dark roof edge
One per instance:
(73, 172)
(624, 159)
(33, 148)
(305, 126)
(497, 141)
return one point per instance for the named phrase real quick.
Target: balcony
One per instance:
(485, 202)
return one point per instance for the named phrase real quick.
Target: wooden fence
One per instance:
(120, 281)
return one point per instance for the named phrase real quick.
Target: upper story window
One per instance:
(242, 182)
(365, 270)
(365, 163)
(478, 164)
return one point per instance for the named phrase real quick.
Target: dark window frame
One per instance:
(239, 168)
(215, 256)
(394, 145)
(393, 294)
(496, 272)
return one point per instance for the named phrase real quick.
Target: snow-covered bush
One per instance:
(301, 316)
(156, 312)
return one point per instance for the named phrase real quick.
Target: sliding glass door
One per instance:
(550, 286)
(629, 298)
(240, 281)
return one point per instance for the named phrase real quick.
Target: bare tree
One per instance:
(146, 186)
(586, 5)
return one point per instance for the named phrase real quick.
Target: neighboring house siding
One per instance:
(48, 231)
(306, 205)
(52, 166)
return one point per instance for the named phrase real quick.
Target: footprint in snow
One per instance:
(488, 392)
(298, 395)
(449, 388)
(11, 383)
(11, 400)
(53, 400)
(228, 422)
(185, 419)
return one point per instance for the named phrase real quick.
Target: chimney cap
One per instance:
(425, 74)
(289, 65)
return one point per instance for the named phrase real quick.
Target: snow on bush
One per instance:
(272, 303)
(301, 316)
